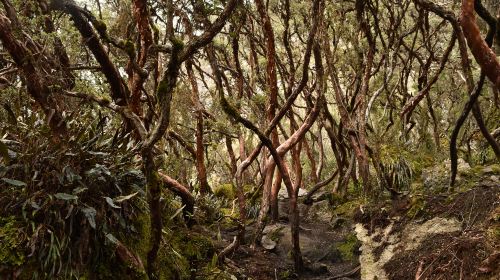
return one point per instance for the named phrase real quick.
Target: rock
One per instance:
(487, 170)
(439, 175)
(337, 222)
(302, 192)
(321, 195)
(283, 206)
(462, 166)
(318, 268)
(493, 169)
(273, 229)
(268, 243)
(271, 234)
(492, 181)
(318, 211)
(282, 194)
(308, 246)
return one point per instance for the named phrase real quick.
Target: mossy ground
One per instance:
(11, 243)
(349, 248)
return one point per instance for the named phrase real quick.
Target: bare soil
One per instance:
(472, 253)
(467, 254)
(319, 242)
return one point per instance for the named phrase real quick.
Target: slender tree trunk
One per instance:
(272, 88)
(200, 149)
(274, 198)
(312, 161)
(200, 159)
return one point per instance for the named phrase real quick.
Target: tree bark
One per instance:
(483, 54)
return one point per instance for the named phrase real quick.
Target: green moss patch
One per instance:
(349, 248)
(224, 190)
(11, 243)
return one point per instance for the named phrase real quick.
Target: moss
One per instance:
(418, 204)
(421, 162)
(172, 263)
(349, 247)
(493, 232)
(224, 190)
(285, 274)
(189, 252)
(230, 212)
(155, 28)
(196, 246)
(11, 249)
(473, 172)
(177, 43)
(248, 188)
(275, 235)
(211, 272)
(417, 187)
(347, 208)
(492, 169)
(128, 47)
(100, 26)
(108, 266)
(140, 243)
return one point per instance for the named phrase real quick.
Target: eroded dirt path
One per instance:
(327, 246)
(427, 234)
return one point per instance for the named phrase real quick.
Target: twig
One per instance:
(419, 273)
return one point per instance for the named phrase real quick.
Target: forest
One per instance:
(250, 139)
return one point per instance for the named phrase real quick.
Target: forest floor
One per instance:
(328, 245)
(427, 234)
(319, 243)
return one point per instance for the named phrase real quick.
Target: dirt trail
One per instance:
(320, 240)
(427, 234)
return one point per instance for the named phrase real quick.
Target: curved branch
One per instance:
(207, 36)
(483, 54)
(308, 198)
(413, 102)
(119, 92)
(183, 192)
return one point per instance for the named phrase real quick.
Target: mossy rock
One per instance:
(230, 213)
(224, 190)
(349, 249)
(472, 173)
(493, 169)
(347, 209)
(249, 188)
